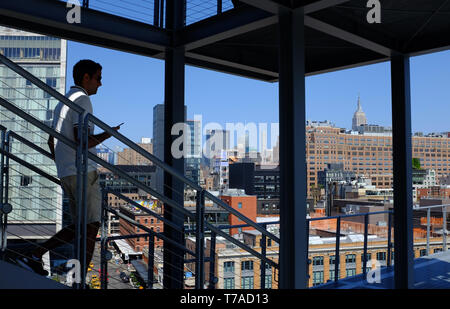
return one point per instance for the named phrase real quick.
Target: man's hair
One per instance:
(82, 67)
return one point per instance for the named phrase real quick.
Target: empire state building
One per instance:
(359, 117)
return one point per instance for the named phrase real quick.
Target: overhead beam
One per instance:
(267, 5)
(106, 30)
(231, 67)
(276, 8)
(321, 5)
(223, 26)
(347, 36)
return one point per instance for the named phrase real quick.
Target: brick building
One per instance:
(369, 154)
(151, 222)
(245, 204)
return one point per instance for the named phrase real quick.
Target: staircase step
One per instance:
(15, 277)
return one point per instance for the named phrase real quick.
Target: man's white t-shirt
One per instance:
(64, 121)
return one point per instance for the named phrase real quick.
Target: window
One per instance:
(317, 277)
(423, 252)
(247, 283)
(350, 258)
(318, 260)
(247, 265)
(381, 256)
(228, 283)
(268, 281)
(228, 266)
(332, 259)
(239, 205)
(332, 275)
(25, 180)
(351, 272)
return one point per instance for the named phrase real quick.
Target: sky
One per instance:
(133, 85)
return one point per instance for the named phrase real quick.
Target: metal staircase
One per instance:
(201, 229)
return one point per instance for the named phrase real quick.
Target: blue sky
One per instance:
(133, 84)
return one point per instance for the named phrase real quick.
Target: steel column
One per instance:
(292, 150)
(444, 227)
(402, 155)
(173, 113)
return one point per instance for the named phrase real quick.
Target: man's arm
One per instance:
(96, 139)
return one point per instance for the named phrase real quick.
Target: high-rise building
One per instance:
(194, 150)
(35, 199)
(158, 142)
(216, 140)
(359, 117)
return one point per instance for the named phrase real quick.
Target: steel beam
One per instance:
(237, 68)
(347, 36)
(267, 5)
(321, 5)
(173, 113)
(102, 29)
(223, 26)
(293, 246)
(402, 158)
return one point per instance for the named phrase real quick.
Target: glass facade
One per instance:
(194, 151)
(33, 197)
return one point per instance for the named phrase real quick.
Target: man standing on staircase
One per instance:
(87, 76)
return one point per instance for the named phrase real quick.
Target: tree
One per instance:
(416, 163)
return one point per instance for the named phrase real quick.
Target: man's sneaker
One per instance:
(33, 264)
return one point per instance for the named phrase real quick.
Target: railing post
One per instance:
(6, 207)
(338, 240)
(307, 249)
(151, 260)
(82, 166)
(2, 201)
(389, 239)
(104, 242)
(156, 14)
(366, 235)
(263, 243)
(219, 7)
(444, 227)
(161, 14)
(200, 241)
(428, 230)
(212, 261)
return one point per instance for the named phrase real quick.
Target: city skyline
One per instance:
(244, 100)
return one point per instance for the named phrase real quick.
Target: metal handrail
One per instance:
(82, 169)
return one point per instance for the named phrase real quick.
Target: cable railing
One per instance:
(153, 11)
(84, 156)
